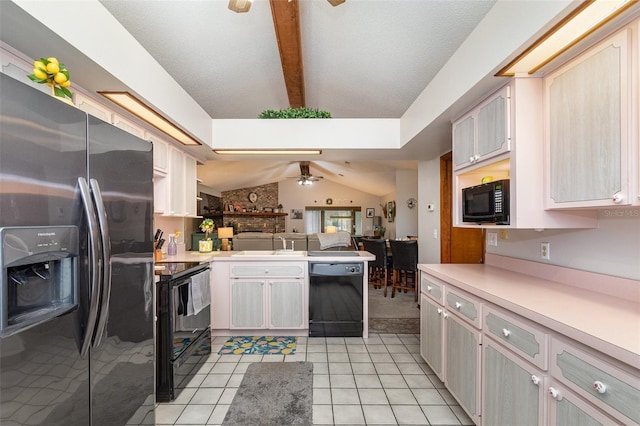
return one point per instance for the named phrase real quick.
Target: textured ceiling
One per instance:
(362, 59)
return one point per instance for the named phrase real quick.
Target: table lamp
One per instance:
(224, 234)
(331, 229)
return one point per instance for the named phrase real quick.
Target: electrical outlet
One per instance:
(545, 251)
(492, 239)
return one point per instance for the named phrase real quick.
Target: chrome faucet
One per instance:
(284, 243)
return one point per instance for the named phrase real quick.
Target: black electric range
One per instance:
(183, 332)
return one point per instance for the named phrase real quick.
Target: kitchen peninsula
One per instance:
(260, 291)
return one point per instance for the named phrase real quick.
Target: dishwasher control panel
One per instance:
(336, 268)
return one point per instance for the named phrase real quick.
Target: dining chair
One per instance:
(378, 269)
(405, 266)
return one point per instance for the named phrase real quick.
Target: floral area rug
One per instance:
(259, 345)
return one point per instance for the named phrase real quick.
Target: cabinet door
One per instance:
(190, 186)
(462, 369)
(128, 126)
(493, 126)
(176, 182)
(513, 391)
(587, 110)
(247, 304)
(92, 107)
(160, 155)
(567, 409)
(431, 333)
(464, 142)
(286, 304)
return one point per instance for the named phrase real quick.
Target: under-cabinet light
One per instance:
(268, 151)
(587, 18)
(144, 112)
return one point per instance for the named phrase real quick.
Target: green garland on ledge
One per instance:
(301, 112)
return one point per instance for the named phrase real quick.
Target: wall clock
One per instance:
(253, 197)
(412, 202)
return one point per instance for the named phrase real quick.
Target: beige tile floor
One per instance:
(374, 381)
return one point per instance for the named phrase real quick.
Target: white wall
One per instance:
(293, 196)
(406, 221)
(613, 248)
(429, 221)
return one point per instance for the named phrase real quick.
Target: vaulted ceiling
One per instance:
(361, 59)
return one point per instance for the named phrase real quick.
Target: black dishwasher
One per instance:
(335, 299)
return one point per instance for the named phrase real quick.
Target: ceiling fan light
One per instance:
(240, 6)
(335, 3)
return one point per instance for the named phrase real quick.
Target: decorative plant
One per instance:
(54, 74)
(234, 225)
(302, 112)
(207, 226)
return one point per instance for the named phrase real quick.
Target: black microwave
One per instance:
(486, 203)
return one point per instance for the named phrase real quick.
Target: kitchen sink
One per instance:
(269, 253)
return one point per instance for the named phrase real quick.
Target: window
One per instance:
(343, 218)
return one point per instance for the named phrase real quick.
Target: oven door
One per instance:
(191, 312)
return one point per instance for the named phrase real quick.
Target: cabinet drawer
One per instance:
(465, 306)
(267, 270)
(613, 390)
(524, 339)
(432, 288)
(569, 409)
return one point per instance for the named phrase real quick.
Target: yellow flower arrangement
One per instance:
(207, 226)
(54, 74)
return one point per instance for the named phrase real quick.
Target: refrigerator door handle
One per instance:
(106, 262)
(95, 255)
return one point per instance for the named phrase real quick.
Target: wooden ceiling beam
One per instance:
(286, 21)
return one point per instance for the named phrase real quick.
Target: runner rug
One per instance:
(259, 345)
(273, 393)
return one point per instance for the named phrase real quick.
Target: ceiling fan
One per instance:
(306, 178)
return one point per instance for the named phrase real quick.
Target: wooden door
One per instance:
(457, 245)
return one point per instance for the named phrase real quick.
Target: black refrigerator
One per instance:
(76, 243)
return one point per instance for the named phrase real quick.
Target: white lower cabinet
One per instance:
(450, 341)
(567, 409)
(513, 390)
(271, 304)
(268, 296)
(431, 333)
(612, 390)
(462, 366)
(507, 369)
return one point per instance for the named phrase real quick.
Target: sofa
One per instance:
(271, 241)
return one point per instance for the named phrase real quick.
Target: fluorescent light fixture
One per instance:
(144, 112)
(240, 6)
(587, 18)
(268, 151)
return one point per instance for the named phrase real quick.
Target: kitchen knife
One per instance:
(158, 234)
(160, 243)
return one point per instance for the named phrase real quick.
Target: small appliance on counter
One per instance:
(487, 203)
(183, 334)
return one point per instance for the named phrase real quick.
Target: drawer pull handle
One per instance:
(429, 288)
(458, 305)
(506, 332)
(555, 394)
(535, 379)
(599, 386)
(439, 311)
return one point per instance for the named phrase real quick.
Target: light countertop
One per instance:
(260, 255)
(607, 323)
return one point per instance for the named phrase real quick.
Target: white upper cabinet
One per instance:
(482, 133)
(128, 126)
(589, 138)
(92, 107)
(518, 157)
(160, 154)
